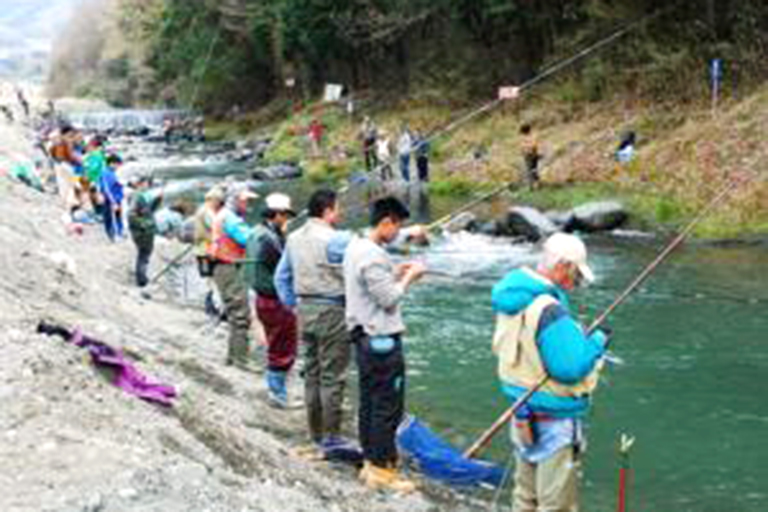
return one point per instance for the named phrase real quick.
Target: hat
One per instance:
(279, 203)
(243, 192)
(569, 248)
(215, 194)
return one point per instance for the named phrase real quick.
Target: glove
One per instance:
(602, 336)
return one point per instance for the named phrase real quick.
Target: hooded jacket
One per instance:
(566, 353)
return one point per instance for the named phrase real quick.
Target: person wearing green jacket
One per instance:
(263, 252)
(141, 222)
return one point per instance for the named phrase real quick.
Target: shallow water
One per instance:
(693, 339)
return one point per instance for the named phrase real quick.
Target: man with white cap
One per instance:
(536, 335)
(264, 250)
(229, 236)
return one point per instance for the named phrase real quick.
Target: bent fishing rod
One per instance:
(731, 185)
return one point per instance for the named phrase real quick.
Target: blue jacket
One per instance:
(111, 187)
(236, 228)
(567, 353)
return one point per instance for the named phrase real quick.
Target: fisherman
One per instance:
(625, 152)
(113, 194)
(65, 161)
(230, 233)
(203, 240)
(368, 135)
(531, 156)
(536, 335)
(141, 222)
(404, 149)
(315, 133)
(265, 247)
(422, 147)
(384, 156)
(375, 288)
(308, 278)
(95, 160)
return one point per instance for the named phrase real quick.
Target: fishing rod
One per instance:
(175, 261)
(725, 191)
(535, 80)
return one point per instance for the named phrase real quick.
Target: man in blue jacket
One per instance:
(537, 336)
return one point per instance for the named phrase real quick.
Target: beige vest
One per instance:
(312, 275)
(514, 343)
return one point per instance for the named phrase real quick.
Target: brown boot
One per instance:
(376, 477)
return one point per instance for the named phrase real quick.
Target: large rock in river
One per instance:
(465, 221)
(599, 216)
(277, 172)
(528, 223)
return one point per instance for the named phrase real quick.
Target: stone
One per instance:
(561, 219)
(277, 172)
(464, 221)
(599, 216)
(527, 222)
(490, 228)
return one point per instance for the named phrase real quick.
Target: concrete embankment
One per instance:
(70, 441)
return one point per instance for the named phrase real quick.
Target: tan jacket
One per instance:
(514, 343)
(307, 249)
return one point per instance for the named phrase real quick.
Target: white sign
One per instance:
(332, 93)
(509, 92)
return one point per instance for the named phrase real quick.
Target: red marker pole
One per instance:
(624, 472)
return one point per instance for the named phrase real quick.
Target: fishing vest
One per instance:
(223, 248)
(312, 275)
(520, 364)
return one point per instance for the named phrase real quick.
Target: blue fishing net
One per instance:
(440, 461)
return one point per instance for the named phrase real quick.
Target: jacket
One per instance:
(305, 270)
(230, 235)
(537, 335)
(264, 249)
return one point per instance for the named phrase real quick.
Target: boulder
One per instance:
(561, 219)
(528, 223)
(277, 172)
(599, 216)
(490, 228)
(464, 221)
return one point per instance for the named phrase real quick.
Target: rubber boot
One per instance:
(278, 393)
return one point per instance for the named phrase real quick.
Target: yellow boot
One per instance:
(376, 477)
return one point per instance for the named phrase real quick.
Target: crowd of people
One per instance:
(338, 295)
(377, 151)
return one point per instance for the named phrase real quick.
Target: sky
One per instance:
(27, 31)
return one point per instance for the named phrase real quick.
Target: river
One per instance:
(692, 339)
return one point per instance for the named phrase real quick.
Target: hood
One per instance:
(518, 289)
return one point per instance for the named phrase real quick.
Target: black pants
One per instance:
(382, 395)
(422, 166)
(144, 245)
(369, 150)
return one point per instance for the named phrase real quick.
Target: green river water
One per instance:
(691, 390)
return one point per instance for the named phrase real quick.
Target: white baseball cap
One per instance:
(569, 248)
(279, 203)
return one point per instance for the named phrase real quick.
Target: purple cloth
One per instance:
(127, 376)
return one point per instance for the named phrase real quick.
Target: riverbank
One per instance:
(72, 442)
(684, 153)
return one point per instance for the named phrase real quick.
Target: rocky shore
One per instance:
(72, 442)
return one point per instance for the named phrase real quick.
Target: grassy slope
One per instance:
(684, 154)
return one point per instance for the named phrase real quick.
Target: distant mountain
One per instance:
(27, 31)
